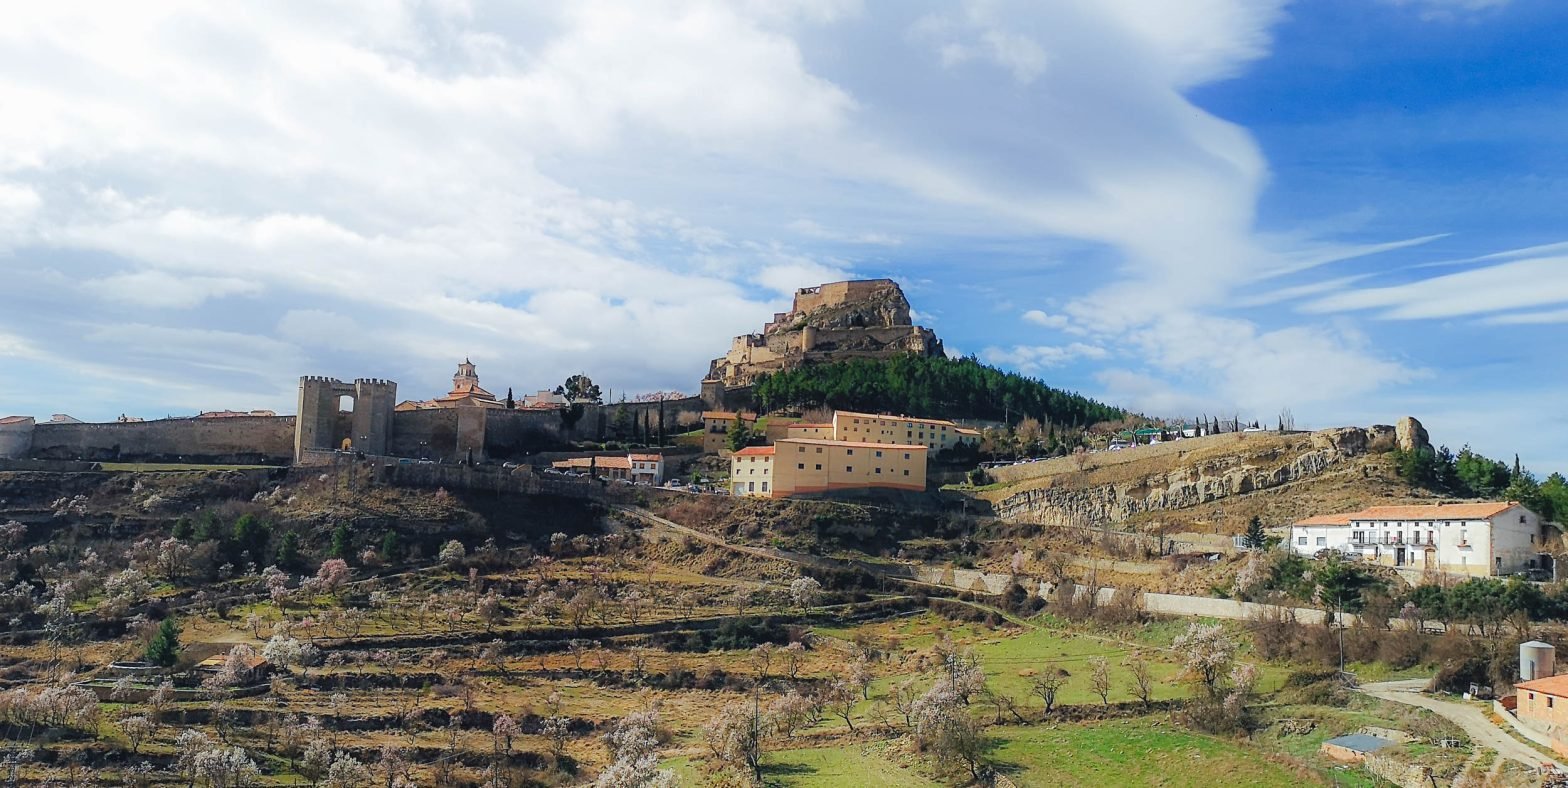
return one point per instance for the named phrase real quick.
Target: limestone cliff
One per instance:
(829, 322)
(1212, 470)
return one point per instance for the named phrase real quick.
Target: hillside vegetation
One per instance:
(952, 388)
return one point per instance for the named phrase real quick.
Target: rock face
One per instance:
(860, 319)
(1189, 486)
(1409, 435)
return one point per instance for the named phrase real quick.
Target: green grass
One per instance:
(1130, 752)
(854, 766)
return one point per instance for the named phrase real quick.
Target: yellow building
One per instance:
(934, 434)
(796, 466)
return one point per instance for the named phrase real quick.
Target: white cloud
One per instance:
(1041, 318)
(1450, 10)
(1516, 285)
(160, 289)
(1033, 358)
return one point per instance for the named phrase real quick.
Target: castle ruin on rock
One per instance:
(867, 318)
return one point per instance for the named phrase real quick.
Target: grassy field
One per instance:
(1131, 752)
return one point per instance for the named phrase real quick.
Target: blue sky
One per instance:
(1353, 209)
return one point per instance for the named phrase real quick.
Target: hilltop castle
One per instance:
(867, 318)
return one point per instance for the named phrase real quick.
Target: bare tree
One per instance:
(1100, 679)
(1046, 685)
(1142, 684)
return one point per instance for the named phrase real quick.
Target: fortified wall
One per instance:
(238, 440)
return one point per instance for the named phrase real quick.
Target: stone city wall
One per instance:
(233, 440)
(16, 440)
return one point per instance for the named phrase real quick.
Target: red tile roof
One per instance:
(755, 451)
(1551, 685)
(647, 457)
(15, 419)
(1442, 511)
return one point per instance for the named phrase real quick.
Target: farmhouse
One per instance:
(797, 466)
(1493, 538)
(716, 428)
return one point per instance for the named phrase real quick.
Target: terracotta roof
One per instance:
(755, 451)
(1442, 511)
(967, 431)
(1551, 685)
(1327, 519)
(15, 419)
(596, 462)
(851, 444)
(809, 424)
(647, 457)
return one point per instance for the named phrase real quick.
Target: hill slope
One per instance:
(1208, 485)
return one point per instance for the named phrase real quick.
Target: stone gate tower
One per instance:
(321, 425)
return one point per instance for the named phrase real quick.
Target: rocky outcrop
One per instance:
(1189, 486)
(829, 322)
(1409, 435)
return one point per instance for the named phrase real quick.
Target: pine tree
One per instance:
(510, 403)
(391, 549)
(288, 550)
(164, 649)
(340, 542)
(1256, 539)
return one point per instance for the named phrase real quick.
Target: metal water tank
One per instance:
(1536, 660)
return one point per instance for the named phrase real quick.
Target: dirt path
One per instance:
(1473, 721)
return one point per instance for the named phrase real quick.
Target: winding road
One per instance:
(1470, 719)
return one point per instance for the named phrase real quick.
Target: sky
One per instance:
(1353, 209)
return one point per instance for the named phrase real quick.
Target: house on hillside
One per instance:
(1494, 538)
(716, 428)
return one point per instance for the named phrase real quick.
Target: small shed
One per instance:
(252, 669)
(1355, 747)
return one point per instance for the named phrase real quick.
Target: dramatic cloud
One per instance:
(201, 203)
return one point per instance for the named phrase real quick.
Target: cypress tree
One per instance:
(1255, 536)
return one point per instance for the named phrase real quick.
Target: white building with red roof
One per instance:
(1488, 538)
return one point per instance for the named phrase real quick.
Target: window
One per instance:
(1548, 701)
(800, 466)
(764, 486)
(819, 449)
(849, 469)
(1521, 519)
(1302, 541)
(1322, 541)
(751, 486)
(879, 470)
(819, 466)
(906, 471)
(850, 452)
(906, 455)
(801, 449)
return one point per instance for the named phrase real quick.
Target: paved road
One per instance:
(1470, 719)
